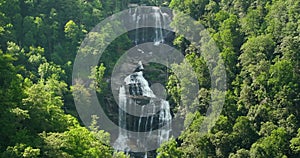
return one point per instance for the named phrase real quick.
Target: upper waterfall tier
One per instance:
(145, 18)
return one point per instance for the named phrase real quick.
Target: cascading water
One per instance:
(165, 119)
(137, 91)
(121, 142)
(155, 118)
(158, 24)
(141, 18)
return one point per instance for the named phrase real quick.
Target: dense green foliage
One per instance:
(259, 42)
(39, 41)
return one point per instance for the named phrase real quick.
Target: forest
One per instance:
(258, 40)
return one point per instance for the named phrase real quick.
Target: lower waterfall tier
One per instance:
(144, 119)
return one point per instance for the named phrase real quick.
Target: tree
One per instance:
(44, 101)
(251, 24)
(241, 7)
(76, 142)
(242, 153)
(168, 149)
(295, 144)
(97, 74)
(72, 31)
(11, 94)
(256, 49)
(193, 8)
(21, 151)
(244, 132)
(274, 145)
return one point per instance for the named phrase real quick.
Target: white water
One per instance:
(142, 18)
(121, 142)
(136, 85)
(165, 120)
(126, 101)
(158, 25)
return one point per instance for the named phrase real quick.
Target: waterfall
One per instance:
(142, 18)
(155, 118)
(158, 24)
(153, 125)
(122, 141)
(165, 119)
